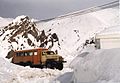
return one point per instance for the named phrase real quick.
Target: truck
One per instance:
(39, 57)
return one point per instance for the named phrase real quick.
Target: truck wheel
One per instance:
(28, 63)
(59, 66)
(49, 65)
(22, 63)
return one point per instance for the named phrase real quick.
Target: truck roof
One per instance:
(31, 49)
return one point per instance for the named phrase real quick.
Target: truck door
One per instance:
(35, 58)
(43, 57)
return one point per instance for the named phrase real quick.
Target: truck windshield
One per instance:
(50, 52)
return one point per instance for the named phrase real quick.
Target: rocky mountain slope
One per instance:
(23, 34)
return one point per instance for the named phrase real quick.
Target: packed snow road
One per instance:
(11, 73)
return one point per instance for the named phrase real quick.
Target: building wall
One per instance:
(109, 43)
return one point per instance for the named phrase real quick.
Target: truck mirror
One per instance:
(56, 51)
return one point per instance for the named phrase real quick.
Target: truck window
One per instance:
(20, 54)
(31, 53)
(43, 53)
(35, 53)
(50, 52)
(26, 54)
(17, 54)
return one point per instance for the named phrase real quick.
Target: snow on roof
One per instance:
(113, 31)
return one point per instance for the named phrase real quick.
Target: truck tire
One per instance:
(50, 65)
(59, 66)
(28, 63)
(21, 63)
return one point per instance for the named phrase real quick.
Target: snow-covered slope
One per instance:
(5, 21)
(73, 30)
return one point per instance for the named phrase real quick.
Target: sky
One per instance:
(44, 9)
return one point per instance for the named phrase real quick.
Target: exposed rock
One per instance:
(29, 41)
(24, 32)
(10, 54)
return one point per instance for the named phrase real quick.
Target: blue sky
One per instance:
(42, 9)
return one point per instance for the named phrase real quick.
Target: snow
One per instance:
(10, 73)
(5, 21)
(73, 30)
(111, 30)
(99, 66)
(18, 20)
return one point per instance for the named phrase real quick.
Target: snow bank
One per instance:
(99, 66)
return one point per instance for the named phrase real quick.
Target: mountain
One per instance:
(74, 29)
(23, 34)
(67, 34)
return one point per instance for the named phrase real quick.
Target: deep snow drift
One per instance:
(98, 66)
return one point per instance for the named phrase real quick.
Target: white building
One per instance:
(108, 38)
